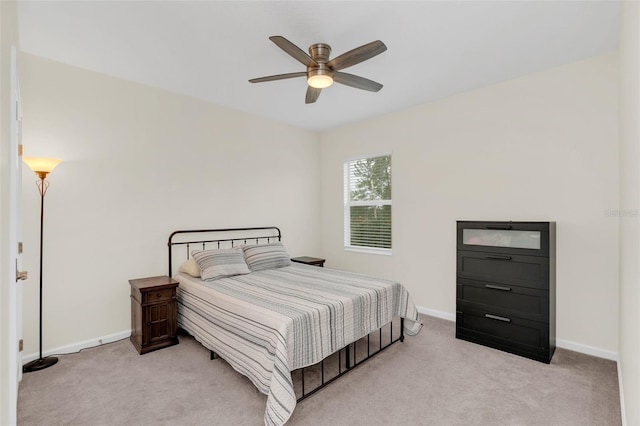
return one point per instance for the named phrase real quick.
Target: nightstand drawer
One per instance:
(160, 295)
(521, 302)
(525, 271)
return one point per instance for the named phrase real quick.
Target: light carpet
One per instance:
(430, 379)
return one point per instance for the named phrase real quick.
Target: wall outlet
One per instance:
(20, 345)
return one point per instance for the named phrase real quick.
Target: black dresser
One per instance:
(506, 286)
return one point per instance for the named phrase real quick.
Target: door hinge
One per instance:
(20, 150)
(20, 345)
(20, 247)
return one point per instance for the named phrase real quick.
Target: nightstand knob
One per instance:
(158, 295)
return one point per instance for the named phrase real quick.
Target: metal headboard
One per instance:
(226, 237)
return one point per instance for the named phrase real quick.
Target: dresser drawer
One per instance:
(160, 295)
(512, 334)
(522, 238)
(523, 271)
(510, 300)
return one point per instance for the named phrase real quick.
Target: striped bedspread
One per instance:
(269, 323)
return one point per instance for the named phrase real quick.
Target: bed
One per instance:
(273, 323)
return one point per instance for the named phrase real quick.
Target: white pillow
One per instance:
(190, 267)
(220, 263)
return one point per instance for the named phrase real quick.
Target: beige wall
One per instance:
(629, 348)
(139, 163)
(540, 147)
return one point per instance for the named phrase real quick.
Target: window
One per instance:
(367, 204)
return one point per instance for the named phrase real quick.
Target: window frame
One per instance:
(348, 203)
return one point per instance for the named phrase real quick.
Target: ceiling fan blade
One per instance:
(312, 95)
(294, 51)
(356, 81)
(278, 77)
(357, 55)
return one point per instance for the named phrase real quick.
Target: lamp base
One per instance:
(39, 364)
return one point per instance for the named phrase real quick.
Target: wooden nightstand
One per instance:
(315, 261)
(153, 313)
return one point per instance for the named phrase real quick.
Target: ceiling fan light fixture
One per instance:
(320, 81)
(321, 70)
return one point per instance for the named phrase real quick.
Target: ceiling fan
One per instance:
(322, 72)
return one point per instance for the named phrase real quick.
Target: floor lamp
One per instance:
(42, 167)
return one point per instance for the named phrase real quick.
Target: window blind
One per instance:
(367, 207)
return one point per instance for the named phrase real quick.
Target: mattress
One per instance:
(271, 322)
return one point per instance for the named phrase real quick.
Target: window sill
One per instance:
(369, 250)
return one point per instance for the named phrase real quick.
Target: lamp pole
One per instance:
(41, 363)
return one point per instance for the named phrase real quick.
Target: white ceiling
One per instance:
(209, 49)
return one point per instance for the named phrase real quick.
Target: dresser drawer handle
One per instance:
(498, 257)
(496, 317)
(497, 287)
(158, 295)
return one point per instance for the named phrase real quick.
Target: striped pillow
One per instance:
(266, 256)
(221, 263)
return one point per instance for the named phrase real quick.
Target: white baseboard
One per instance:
(438, 314)
(560, 343)
(623, 412)
(586, 349)
(76, 347)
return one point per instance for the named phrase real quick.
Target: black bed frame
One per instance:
(269, 234)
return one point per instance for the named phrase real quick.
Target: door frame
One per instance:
(11, 203)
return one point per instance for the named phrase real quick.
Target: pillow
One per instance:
(266, 256)
(190, 267)
(221, 263)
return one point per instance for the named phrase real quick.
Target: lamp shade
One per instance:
(40, 165)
